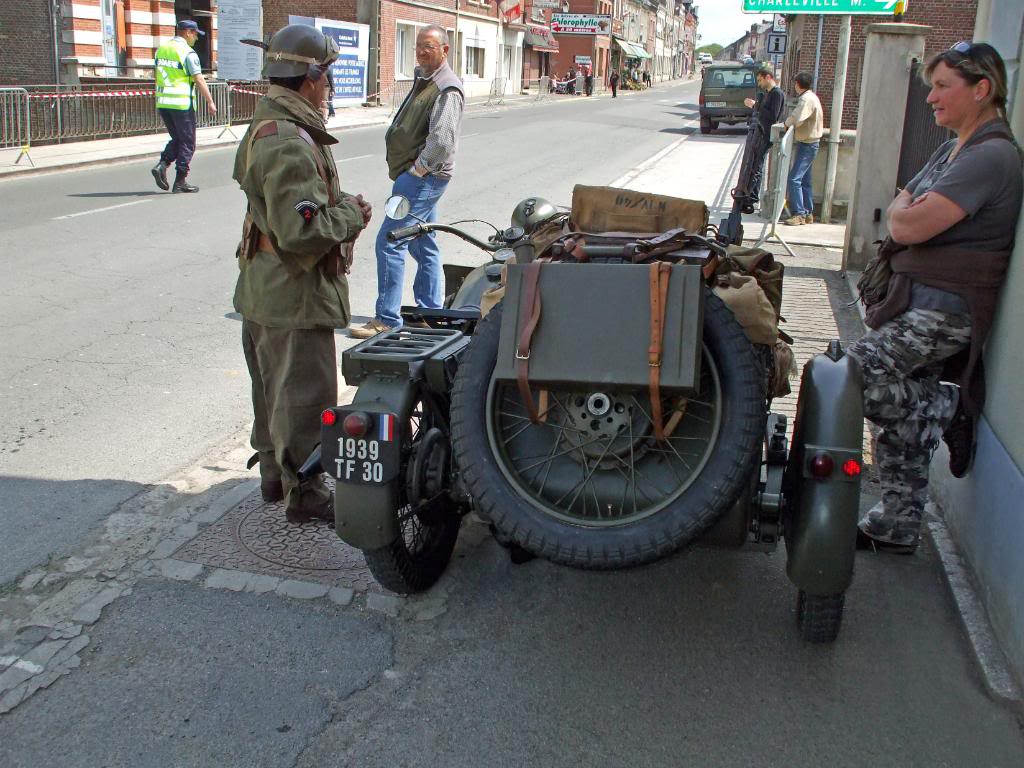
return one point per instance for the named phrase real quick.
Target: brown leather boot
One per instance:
(323, 511)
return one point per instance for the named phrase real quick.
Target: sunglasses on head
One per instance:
(963, 47)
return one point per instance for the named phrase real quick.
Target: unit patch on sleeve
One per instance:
(307, 209)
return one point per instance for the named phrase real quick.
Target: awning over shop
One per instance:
(540, 39)
(639, 52)
(632, 50)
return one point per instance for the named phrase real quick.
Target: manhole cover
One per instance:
(313, 546)
(255, 537)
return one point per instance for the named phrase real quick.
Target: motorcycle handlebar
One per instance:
(415, 230)
(403, 232)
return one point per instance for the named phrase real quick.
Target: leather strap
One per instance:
(318, 158)
(529, 317)
(660, 273)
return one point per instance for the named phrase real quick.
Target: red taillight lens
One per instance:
(851, 468)
(822, 466)
(328, 417)
(356, 424)
(700, 100)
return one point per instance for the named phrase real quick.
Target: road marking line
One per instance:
(651, 161)
(357, 157)
(27, 666)
(99, 210)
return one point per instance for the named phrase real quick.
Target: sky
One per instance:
(722, 21)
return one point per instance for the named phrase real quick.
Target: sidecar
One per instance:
(609, 411)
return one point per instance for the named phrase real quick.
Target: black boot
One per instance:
(159, 172)
(181, 185)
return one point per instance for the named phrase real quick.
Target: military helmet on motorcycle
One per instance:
(532, 212)
(299, 49)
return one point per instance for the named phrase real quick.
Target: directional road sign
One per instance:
(858, 7)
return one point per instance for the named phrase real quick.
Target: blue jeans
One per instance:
(428, 287)
(181, 124)
(799, 195)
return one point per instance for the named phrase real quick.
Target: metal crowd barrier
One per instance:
(57, 113)
(497, 92)
(15, 122)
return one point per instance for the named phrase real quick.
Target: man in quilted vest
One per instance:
(421, 145)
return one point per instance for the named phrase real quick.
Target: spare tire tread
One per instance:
(643, 543)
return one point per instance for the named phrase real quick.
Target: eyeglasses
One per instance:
(428, 47)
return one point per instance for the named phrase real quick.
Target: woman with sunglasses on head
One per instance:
(952, 231)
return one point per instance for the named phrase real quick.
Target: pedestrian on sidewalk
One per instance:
(807, 120)
(588, 80)
(330, 96)
(647, 79)
(178, 76)
(421, 145)
(766, 112)
(955, 224)
(292, 291)
(613, 80)
(570, 78)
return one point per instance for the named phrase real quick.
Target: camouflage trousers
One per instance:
(901, 363)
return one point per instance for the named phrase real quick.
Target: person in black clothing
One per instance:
(767, 110)
(588, 81)
(613, 80)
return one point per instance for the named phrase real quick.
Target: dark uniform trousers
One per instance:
(294, 378)
(181, 124)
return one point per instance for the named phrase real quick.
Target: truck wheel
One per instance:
(818, 616)
(590, 487)
(415, 560)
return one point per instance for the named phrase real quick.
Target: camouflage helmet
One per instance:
(532, 212)
(299, 49)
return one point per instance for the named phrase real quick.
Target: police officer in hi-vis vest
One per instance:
(178, 75)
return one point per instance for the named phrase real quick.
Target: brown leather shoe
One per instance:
(809, 218)
(271, 490)
(324, 511)
(369, 330)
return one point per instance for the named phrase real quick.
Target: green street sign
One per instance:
(857, 7)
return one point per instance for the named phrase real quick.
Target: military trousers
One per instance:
(902, 363)
(294, 376)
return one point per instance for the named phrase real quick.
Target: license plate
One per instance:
(372, 459)
(714, 104)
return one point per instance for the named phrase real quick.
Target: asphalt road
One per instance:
(120, 360)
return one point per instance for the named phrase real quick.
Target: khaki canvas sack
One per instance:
(609, 209)
(749, 306)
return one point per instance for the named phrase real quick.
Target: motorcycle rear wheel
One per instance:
(590, 487)
(418, 556)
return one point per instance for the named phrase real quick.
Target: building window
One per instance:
(474, 61)
(405, 50)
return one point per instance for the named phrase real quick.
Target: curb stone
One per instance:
(995, 670)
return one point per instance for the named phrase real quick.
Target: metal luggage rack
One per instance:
(407, 344)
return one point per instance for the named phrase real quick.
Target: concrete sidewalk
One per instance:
(705, 167)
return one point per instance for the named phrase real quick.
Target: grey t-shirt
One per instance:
(986, 181)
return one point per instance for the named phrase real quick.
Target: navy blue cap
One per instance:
(189, 24)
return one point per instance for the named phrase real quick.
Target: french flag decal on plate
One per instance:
(386, 428)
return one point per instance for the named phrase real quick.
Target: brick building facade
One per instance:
(950, 21)
(26, 50)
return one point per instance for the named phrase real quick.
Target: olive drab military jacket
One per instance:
(289, 285)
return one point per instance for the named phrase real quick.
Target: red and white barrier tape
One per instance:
(251, 93)
(89, 94)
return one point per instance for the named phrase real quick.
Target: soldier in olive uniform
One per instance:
(292, 290)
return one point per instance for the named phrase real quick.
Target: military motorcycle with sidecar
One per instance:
(606, 412)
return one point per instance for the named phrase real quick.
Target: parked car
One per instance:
(705, 58)
(722, 92)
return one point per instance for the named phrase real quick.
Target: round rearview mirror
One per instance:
(397, 207)
(503, 254)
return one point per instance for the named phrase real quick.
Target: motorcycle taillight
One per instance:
(821, 465)
(356, 424)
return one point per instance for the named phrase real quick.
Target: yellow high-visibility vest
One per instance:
(174, 88)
